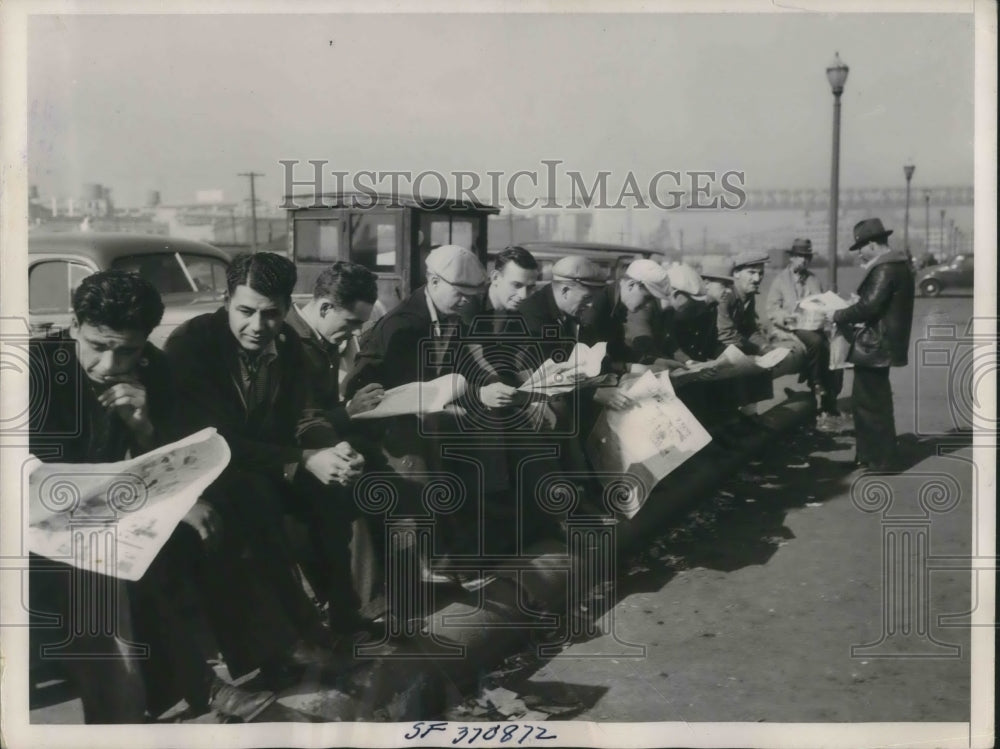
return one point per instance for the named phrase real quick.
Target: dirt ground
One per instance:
(748, 608)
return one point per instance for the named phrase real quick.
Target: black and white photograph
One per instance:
(470, 374)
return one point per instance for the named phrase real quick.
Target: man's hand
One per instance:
(205, 520)
(613, 398)
(365, 399)
(791, 321)
(128, 399)
(497, 395)
(335, 465)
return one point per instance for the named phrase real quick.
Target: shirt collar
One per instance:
(266, 355)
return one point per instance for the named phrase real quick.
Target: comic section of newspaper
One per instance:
(647, 440)
(72, 507)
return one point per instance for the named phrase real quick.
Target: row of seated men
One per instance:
(264, 373)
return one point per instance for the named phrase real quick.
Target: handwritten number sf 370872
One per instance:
(515, 733)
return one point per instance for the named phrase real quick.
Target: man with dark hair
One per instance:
(342, 301)
(108, 396)
(879, 325)
(513, 279)
(238, 370)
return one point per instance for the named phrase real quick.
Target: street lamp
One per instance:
(908, 173)
(927, 221)
(837, 75)
(944, 251)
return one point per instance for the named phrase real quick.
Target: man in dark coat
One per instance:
(238, 370)
(879, 324)
(575, 307)
(514, 427)
(343, 298)
(107, 395)
(738, 322)
(420, 340)
(695, 303)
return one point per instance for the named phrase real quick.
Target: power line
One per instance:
(253, 207)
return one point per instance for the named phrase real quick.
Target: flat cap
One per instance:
(456, 265)
(685, 278)
(717, 270)
(652, 275)
(748, 259)
(578, 270)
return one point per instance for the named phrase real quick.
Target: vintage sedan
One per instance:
(191, 276)
(954, 275)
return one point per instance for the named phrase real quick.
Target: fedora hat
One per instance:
(867, 231)
(802, 247)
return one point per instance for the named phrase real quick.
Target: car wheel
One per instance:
(930, 287)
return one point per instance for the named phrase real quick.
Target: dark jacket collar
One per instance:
(892, 256)
(298, 323)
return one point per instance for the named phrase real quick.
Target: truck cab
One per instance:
(390, 234)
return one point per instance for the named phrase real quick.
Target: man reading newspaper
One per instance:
(105, 393)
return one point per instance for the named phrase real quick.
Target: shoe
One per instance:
(233, 702)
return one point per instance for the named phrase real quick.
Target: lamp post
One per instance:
(836, 74)
(943, 250)
(908, 173)
(927, 221)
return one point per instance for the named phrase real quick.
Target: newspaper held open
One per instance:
(140, 500)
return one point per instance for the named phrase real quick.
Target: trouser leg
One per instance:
(93, 642)
(874, 420)
(247, 580)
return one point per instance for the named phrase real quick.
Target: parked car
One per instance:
(954, 275)
(190, 276)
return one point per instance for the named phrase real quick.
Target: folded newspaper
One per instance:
(113, 518)
(433, 396)
(582, 368)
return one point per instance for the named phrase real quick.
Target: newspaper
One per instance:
(583, 367)
(433, 396)
(73, 507)
(825, 302)
(646, 441)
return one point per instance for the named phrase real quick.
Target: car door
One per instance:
(51, 282)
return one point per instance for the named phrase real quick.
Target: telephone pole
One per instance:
(253, 208)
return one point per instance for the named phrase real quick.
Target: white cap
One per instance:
(685, 278)
(652, 275)
(456, 265)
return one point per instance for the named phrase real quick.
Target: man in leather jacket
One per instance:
(882, 318)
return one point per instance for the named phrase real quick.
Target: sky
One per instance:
(187, 102)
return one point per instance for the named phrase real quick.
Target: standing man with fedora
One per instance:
(790, 286)
(882, 318)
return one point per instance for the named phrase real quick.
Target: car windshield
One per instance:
(178, 275)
